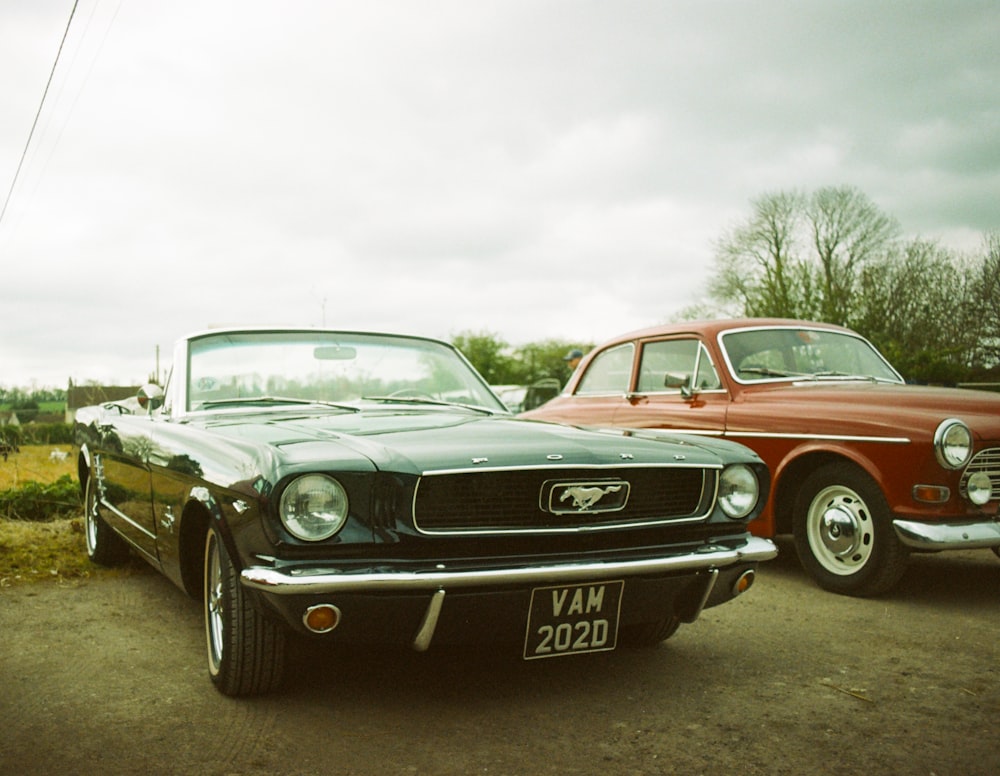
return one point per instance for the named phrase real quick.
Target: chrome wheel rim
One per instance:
(840, 529)
(90, 518)
(213, 603)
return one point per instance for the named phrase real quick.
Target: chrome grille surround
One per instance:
(988, 462)
(471, 502)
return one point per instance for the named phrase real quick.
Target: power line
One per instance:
(38, 113)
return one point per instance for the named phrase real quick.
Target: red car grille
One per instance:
(987, 461)
(517, 501)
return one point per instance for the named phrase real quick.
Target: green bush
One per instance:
(46, 434)
(42, 502)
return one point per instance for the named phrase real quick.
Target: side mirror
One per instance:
(150, 397)
(679, 381)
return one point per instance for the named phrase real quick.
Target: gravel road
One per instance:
(108, 677)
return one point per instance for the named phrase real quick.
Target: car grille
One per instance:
(513, 501)
(987, 461)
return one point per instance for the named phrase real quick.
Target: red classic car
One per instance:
(865, 468)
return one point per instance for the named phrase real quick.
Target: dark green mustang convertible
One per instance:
(371, 488)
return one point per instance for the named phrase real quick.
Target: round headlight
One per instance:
(738, 491)
(314, 507)
(953, 443)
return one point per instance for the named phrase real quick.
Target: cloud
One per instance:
(535, 169)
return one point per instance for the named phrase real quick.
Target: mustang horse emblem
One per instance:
(584, 498)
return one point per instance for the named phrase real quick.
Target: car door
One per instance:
(601, 390)
(123, 467)
(675, 386)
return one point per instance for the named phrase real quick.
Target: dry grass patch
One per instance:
(53, 551)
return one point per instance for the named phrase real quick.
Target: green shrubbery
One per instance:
(42, 502)
(39, 434)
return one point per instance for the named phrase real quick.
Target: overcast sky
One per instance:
(534, 169)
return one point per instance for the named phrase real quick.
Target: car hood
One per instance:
(907, 408)
(420, 442)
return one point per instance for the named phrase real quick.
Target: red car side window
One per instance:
(667, 365)
(609, 372)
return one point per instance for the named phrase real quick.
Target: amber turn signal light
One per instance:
(743, 581)
(321, 618)
(931, 494)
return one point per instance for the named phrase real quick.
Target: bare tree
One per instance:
(834, 256)
(758, 265)
(848, 232)
(800, 256)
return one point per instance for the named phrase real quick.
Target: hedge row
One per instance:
(38, 434)
(42, 502)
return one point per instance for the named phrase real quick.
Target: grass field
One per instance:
(52, 551)
(34, 462)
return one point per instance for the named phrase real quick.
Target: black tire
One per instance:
(649, 634)
(104, 546)
(843, 532)
(246, 651)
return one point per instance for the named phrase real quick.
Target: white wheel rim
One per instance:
(840, 530)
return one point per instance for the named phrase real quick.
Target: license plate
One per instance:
(573, 619)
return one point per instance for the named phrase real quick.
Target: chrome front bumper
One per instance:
(948, 536)
(298, 581)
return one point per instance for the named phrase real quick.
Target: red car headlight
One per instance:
(953, 443)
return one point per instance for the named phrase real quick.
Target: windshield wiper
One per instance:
(764, 371)
(428, 400)
(849, 376)
(266, 400)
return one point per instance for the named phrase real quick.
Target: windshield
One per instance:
(754, 355)
(339, 368)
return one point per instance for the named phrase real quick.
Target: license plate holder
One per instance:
(573, 619)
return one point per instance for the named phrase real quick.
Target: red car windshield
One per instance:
(775, 353)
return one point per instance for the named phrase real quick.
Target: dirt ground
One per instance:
(109, 677)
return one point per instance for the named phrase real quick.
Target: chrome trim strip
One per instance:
(671, 392)
(325, 580)
(567, 531)
(772, 435)
(685, 432)
(422, 641)
(125, 518)
(825, 437)
(570, 465)
(948, 536)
